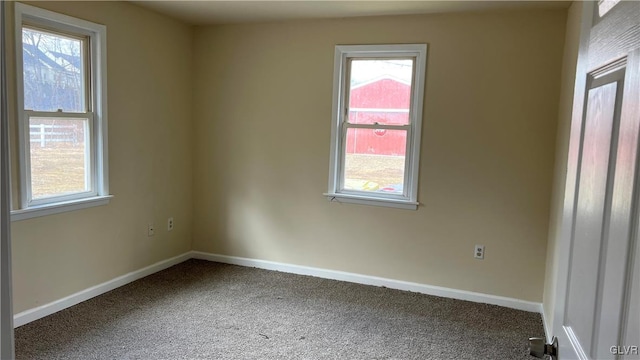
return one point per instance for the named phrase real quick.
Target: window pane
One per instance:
(59, 156)
(380, 91)
(374, 160)
(53, 69)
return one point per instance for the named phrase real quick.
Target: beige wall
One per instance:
(246, 176)
(262, 131)
(150, 129)
(572, 42)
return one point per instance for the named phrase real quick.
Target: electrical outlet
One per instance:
(151, 230)
(170, 224)
(478, 252)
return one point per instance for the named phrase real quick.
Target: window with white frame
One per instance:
(61, 73)
(378, 92)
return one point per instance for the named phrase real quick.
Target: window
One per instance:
(377, 116)
(61, 73)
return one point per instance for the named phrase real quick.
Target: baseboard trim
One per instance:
(373, 280)
(30, 315)
(39, 312)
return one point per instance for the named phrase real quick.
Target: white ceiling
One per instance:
(206, 12)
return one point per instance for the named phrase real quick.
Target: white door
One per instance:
(598, 316)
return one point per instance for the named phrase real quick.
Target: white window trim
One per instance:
(59, 207)
(98, 89)
(409, 200)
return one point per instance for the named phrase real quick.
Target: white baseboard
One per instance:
(30, 315)
(373, 280)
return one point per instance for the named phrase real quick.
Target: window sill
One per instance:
(375, 201)
(59, 207)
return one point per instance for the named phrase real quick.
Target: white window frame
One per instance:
(337, 192)
(96, 93)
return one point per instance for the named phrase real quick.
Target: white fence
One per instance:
(44, 134)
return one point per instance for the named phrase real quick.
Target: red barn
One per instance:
(385, 100)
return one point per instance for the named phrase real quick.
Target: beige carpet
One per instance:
(205, 310)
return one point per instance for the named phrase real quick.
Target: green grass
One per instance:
(56, 169)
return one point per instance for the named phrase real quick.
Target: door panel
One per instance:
(591, 209)
(617, 272)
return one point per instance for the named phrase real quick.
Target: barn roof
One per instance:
(381, 77)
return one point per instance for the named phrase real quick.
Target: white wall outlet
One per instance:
(170, 224)
(151, 230)
(478, 252)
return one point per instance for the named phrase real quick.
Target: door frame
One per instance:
(563, 244)
(6, 299)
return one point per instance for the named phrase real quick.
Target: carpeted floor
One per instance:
(205, 310)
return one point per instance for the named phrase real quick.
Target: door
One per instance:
(597, 314)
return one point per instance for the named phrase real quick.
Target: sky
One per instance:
(365, 70)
